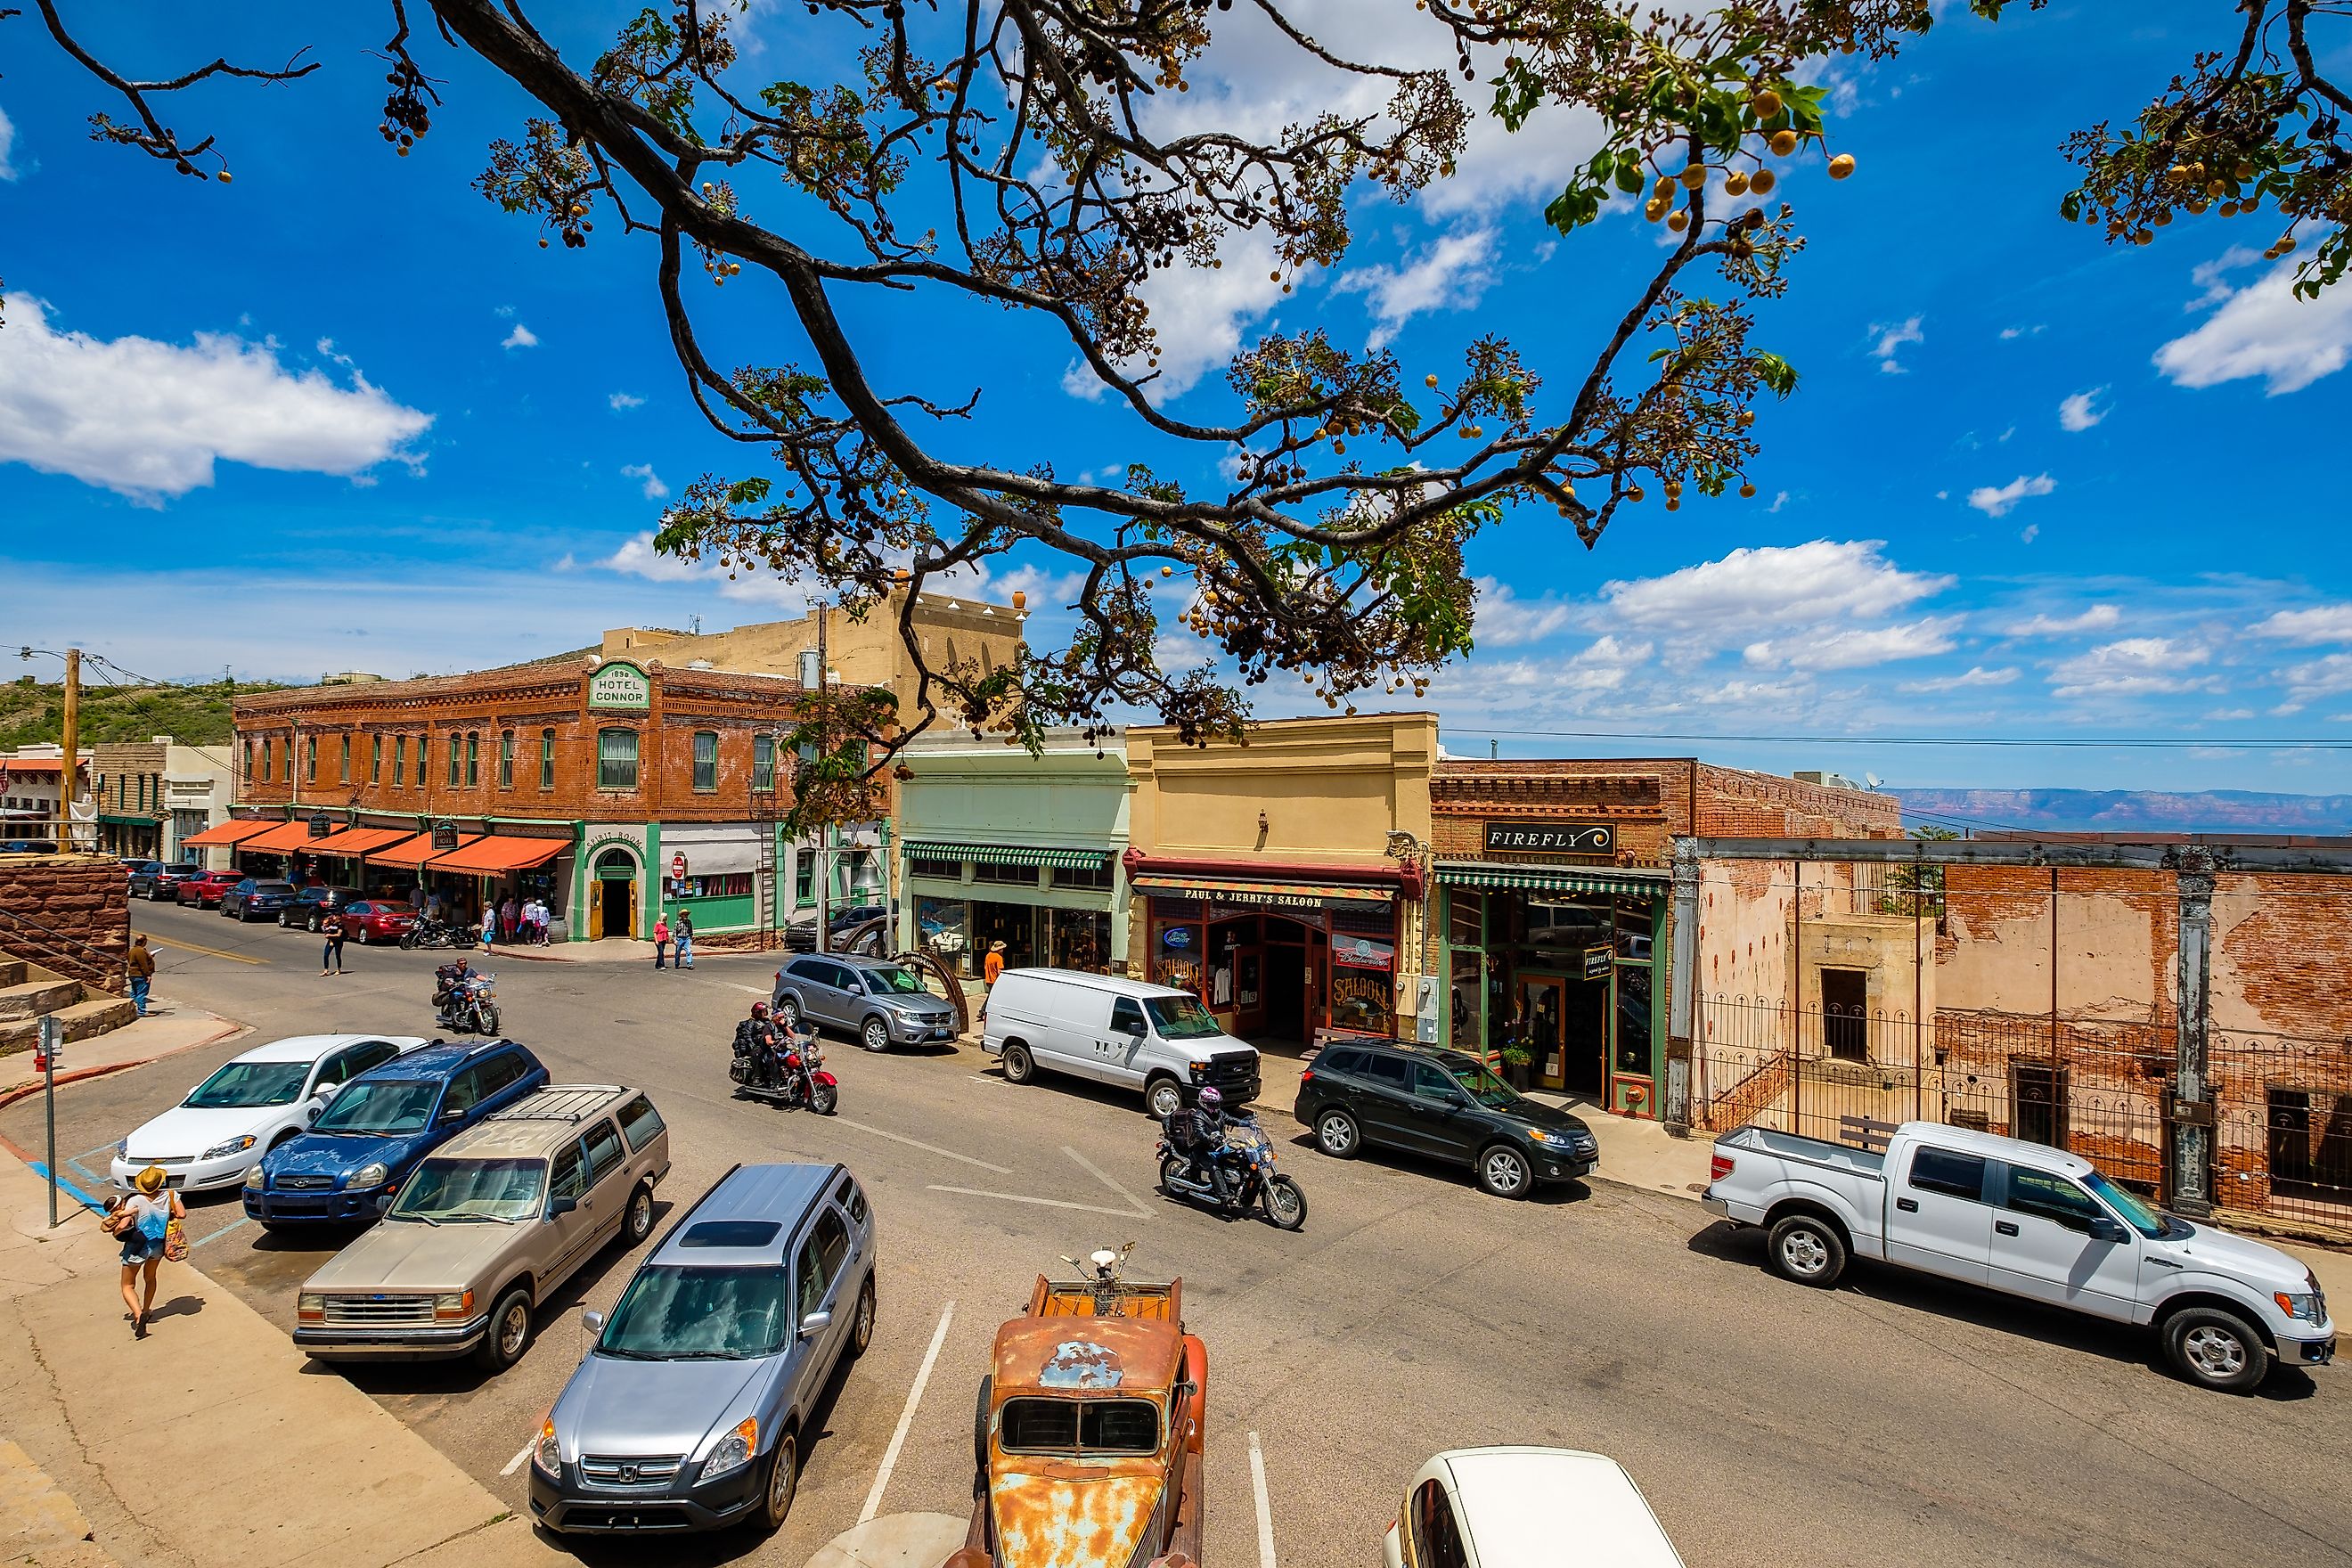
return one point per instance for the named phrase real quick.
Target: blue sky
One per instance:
(343, 413)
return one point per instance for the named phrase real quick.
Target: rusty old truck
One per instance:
(1086, 1445)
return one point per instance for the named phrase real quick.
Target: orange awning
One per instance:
(353, 842)
(501, 852)
(284, 839)
(234, 831)
(415, 852)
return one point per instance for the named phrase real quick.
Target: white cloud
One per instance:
(1857, 648)
(1891, 339)
(522, 337)
(2262, 330)
(2320, 678)
(7, 145)
(2029, 533)
(1975, 675)
(2212, 277)
(2323, 622)
(1452, 274)
(149, 419)
(2135, 667)
(2078, 413)
(623, 401)
(1198, 314)
(653, 488)
(2011, 334)
(1769, 588)
(2098, 617)
(1504, 620)
(2000, 501)
(1779, 501)
(638, 558)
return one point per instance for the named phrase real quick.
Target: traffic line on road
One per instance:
(522, 1454)
(207, 951)
(67, 1188)
(232, 1224)
(1264, 1512)
(760, 991)
(926, 1148)
(1099, 1174)
(1045, 1203)
(906, 1417)
(101, 1149)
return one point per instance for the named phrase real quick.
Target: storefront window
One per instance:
(1633, 1018)
(616, 759)
(1178, 935)
(941, 927)
(1078, 939)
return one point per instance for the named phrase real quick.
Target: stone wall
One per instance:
(69, 913)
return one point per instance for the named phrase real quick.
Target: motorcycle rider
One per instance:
(1198, 1133)
(755, 1037)
(446, 979)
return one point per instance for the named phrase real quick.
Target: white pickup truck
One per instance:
(2031, 1221)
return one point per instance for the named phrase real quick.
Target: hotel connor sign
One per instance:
(619, 687)
(1551, 839)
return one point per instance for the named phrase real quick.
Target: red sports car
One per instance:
(377, 919)
(205, 891)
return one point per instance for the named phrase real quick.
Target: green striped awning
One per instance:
(1551, 878)
(1010, 855)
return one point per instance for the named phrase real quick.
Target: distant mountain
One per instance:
(2126, 810)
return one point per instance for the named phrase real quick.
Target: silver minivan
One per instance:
(874, 999)
(1128, 1033)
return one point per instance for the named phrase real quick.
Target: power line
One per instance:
(2123, 742)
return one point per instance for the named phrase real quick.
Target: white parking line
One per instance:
(1265, 1513)
(1099, 1174)
(1044, 1202)
(906, 1417)
(762, 991)
(520, 1455)
(232, 1224)
(926, 1148)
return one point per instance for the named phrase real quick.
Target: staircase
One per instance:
(29, 993)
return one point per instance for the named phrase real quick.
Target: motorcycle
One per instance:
(431, 933)
(473, 1007)
(1251, 1181)
(800, 1078)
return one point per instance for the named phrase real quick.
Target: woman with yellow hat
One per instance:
(143, 1221)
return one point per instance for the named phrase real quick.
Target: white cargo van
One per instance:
(1150, 1037)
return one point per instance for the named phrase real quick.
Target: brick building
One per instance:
(131, 813)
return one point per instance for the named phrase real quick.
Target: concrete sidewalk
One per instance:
(210, 1443)
(166, 1030)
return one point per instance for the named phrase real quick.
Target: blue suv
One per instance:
(364, 1145)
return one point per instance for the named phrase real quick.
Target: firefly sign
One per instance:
(1551, 839)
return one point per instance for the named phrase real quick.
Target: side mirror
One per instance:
(591, 1320)
(815, 1324)
(326, 1091)
(2106, 1230)
(563, 1203)
(1137, 1027)
(383, 1201)
(452, 1114)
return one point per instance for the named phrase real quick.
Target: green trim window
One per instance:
(473, 759)
(346, 776)
(706, 761)
(805, 881)
(455, 761)
(311, 759)
(938, 870)
(764, 763)
(400, 762)
(616, 759)
(506, 759)
(249, 761)
(376, 759)
(547, 759)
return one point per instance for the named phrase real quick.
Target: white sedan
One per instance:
(1522, 1508)
(249, 1107)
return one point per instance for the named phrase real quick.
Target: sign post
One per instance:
(51, 1035)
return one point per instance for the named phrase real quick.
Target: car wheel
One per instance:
(783, 1479)
(509, 1332)
(1504, 1172)
(861, 1327)
(638, 1223)
(1335, 1135)
(1163, 1098)
(313, 924)
(1019, 1066)
(2215, 1350)
(1807, 1249)
(876, 1035)
(788, 1012)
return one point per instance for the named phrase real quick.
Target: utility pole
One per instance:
(70, 767)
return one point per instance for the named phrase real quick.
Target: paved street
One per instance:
(1892, 1420)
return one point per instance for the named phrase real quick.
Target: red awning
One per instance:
(501, 852)
(284, 839)
(415, 852)
(354, 842)
(234, 831)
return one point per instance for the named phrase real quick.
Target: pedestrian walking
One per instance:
(685, 939)
(511, 918)
(990, 968)
(142, 973)
(146, 1221)
(661, 941)
(489, 927)
(330, 960)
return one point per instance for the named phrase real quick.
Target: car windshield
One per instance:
(893, 983)
(2129, 1204)
(249, 1083)
(1485, 1088)
(1182, 1018)
(1079, 1426)
(381, 1106)
(672, 1313)
(445, 1190)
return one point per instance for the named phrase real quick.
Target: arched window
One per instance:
(311, 759)
(455, 743)
(506, 759)
(473, 759)
(547, 759)
(376, 759)
(347, 760)
(249, 761)
(400, 762)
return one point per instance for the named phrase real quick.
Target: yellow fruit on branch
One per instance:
(1678, 221)
(1766, 104)
(1695, 176)
(1842, 166)
(1735, 183)
(1748, 492)
(1762, 182)
(1783, 142)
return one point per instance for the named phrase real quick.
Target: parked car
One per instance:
(363, 1146)
(1125, 1032)
(207, 888)
(254, 896)
(488, 1228)
(254, 1104)
(309, 906)
(878, 1001)
(377, 919)
(1512, 1508)
(2026, 1220)
(1440, 1102)
(163, 881)
(137, 870)
(29, 846)
(689, 1412)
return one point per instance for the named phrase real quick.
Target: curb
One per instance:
(25, 1091)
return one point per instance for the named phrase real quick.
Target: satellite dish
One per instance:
(1871, 779)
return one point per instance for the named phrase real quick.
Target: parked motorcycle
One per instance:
(472, 1006)
(799, 1078)
(431, 933)
(1250, 1180)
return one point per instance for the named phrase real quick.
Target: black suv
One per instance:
(312, 905)
(254, 897)
(1440, 1103)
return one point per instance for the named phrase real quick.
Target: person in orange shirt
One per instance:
(990, 968)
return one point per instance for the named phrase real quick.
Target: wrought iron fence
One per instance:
(2282, 1144)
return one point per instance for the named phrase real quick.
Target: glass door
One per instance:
(1542, 1019)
